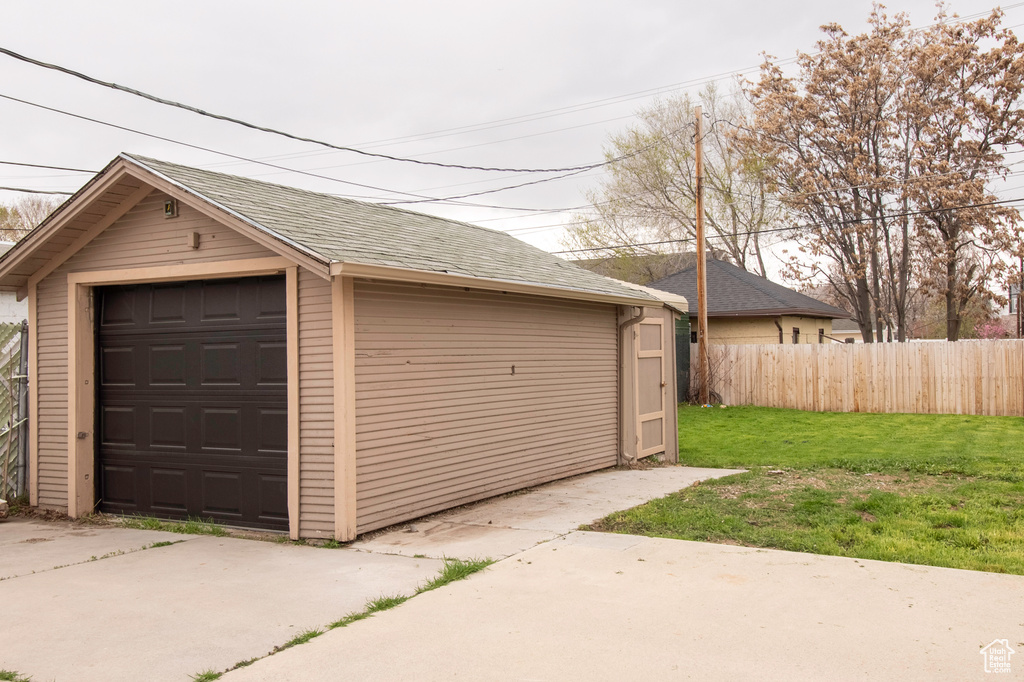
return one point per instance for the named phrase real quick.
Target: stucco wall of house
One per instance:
(11, 309)
(742, 330)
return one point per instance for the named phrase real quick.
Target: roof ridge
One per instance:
(772, 294)
(138, 158)
(337, 229)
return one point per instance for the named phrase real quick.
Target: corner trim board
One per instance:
(292, 293)
(33, 399)
(343, 327)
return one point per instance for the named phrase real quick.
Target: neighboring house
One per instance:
(847, 330)
(206, 345)
(12, 311)
(746, 308)
(1010, 314)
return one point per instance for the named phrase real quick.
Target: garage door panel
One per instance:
(169, 489)
(167, 365)
(117, 425)
(119, 484)
(117, 366)
(222, 493)
(272, 303)
(119, 307)
(193, 401)
(271, 363)
(167, 303)
(272, 437)
(273, 499)
(167, 427)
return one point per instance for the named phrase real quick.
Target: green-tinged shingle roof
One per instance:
(334, 229)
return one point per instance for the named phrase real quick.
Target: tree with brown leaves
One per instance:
(885, 144)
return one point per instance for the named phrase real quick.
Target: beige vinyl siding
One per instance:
(316, 400)
(142, 237)
(51, 424)
(442, 420)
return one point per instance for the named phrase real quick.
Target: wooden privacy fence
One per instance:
(965, 377)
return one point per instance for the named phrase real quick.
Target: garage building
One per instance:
(205, 345)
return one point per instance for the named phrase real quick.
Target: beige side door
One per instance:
(650, 386)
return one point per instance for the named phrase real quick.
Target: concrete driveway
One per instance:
(89, 603)
(591, 606)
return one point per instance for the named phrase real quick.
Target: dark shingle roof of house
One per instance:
(335, 229)
(734, 292)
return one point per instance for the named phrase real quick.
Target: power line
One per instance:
(444, 200)
(263, 163)
(34, 191)
(593, 104)
(791, 228)
(36, 165)
(281, 133)
(537, 182)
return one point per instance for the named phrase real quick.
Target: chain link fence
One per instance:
(13, 410)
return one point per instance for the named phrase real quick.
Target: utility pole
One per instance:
(703, 365)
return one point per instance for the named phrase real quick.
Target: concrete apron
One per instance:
(97, 603)
(592, 606)
(139, 612)
(504, 526)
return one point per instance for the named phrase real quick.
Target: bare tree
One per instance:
(650, 195)
(20, 217)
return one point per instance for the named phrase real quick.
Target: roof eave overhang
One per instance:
(114, 173)
(390, 273)
(779, 312)
(63, 214)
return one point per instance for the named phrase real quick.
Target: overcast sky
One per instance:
(514, 85)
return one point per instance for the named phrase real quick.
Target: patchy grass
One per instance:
(206, 676)
(925, 489)
(192, 526)
(300, 638)
(12, 676)
(454, 569)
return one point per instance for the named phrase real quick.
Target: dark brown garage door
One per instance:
(193, 417)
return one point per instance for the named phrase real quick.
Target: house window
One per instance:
(693, 337)
(796, 334)
(821, 336)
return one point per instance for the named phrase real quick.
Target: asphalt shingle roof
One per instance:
(734, 292)
(343, 230)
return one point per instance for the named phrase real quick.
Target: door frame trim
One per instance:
(642, 452)
(82, 364)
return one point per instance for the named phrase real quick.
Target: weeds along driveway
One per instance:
(123, 604)
(596, 606)
(119, 604)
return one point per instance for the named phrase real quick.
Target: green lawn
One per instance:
(940, 490)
